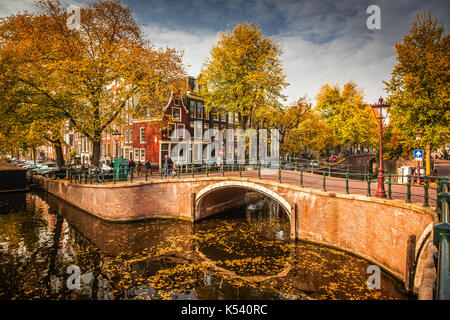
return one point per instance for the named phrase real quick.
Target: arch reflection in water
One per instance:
(239, 254)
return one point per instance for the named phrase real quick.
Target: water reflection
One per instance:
(241, 254)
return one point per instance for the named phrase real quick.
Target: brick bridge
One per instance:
(375, 229)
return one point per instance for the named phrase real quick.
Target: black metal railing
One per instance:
(441, 239)
(406, 187)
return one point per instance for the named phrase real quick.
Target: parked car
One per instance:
(314, 163)
(43, 168)
(333, 158)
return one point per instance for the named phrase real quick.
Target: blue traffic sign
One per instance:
(418, 154)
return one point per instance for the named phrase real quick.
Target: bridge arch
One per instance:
(244, 185)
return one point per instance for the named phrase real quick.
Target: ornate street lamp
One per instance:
(380, 111)
(116, 135)
(418, 135)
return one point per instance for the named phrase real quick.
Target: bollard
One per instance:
(207, 170)
(146, 174)
(223, 170)
(425, 191)
(192, 169)
(240, 170)
(408, 189)
(279, 173)
(259, 171)
(346, 183)
(178, 172)
(368, 185)
(389, 193)
(131, 175)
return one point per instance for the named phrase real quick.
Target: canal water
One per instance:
(51, 250)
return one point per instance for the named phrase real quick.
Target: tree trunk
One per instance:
(59, 153)
(95, 158)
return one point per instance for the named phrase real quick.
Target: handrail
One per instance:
(323, 178)
(441, 239)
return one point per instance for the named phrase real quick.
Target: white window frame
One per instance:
(182, 127)
(176, 119)
(142, 158)
(136, 154)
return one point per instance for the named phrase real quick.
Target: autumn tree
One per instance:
(89, 73)
(312, 137)
(419, 87)
(350, 118)
(244, 74)
(285, 118)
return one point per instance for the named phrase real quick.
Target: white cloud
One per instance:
(196, 45)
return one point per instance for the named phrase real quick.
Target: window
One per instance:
(136, 154)
(127, 136)
(142, 155)
(205, 130)
(176, 114)
(170, 130)
(192, 108)
(205, 113)
(142, 134)
(180, 130)
(199, 109)
(176, 101)
(130, 136)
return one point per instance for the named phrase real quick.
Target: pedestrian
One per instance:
(148, 167)
(139, 167)
(167, 166)
(131, 166)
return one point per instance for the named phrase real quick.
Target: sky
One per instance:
(322, 41)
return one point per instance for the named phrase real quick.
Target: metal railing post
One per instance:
(259, 171)
(408, 189)
(324, 182)
(346, 183)
(441, 239)
(425, 191)
(279, 173)
(368, 185)
(223, 169)
(192, 167)
(207, 170)
(389, 193)
(301, 177)
(240, 170)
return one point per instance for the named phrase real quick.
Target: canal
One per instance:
(51, 250)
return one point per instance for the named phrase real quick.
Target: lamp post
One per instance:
(380, 111)
(116, 135)
(418, 135)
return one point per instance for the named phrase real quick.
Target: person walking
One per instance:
(168, 163)
(148, 167)
(139, 168)
(131, 166)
